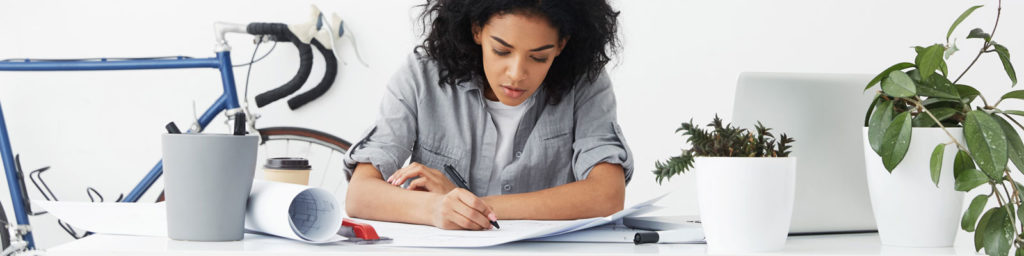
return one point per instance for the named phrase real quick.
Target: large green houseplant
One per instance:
(921, 94)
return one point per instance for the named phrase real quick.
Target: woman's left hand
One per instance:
(430, 180)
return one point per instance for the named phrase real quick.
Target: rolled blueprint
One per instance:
(293, 211)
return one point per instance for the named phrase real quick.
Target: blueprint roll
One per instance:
(293, 211)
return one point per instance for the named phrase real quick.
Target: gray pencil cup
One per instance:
(207, 179)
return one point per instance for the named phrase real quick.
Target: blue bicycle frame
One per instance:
(228, 100)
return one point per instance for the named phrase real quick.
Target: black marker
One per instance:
(461, 183)
(172, 128)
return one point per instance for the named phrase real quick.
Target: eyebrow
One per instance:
(506, 44)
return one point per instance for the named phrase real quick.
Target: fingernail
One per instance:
(492, 217)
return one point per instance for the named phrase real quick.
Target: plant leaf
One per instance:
(936, 163)
(961, 19)
(1015, 148)
(998, 232)
(1004, 56)
(937, 86)
(897, 67)
(970, 179)
(1018, 94)
(987, 143)
(929, 60)
(979, 237)
(949, 52)
(961, 163)
(899, 84)
(1014, 112)
(970, 217)
(1020, 211)
(896, 141)
(925, 120)
(880, 121)
(871, 109)
(979, 33)
(967, 93)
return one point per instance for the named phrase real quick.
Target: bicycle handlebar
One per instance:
(280, 32)
(329, 74)
(302, 36)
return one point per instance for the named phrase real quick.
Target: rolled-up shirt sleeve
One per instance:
(388, 143)
(598, 135)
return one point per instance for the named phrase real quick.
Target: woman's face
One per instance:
(517, 52)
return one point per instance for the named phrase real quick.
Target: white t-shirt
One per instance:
(506, 121)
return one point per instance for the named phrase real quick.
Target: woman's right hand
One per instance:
(461, 209)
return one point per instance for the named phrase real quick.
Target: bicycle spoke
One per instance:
(323, 177)
(309, 148)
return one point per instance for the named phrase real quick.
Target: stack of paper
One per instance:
(281, 209)
(511, 230)
(310, 215)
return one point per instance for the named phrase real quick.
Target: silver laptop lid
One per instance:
(824, 113)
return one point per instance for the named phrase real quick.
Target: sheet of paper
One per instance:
(142, 219)
(618, 233)
(608, 233)
(411, 235)
(286, 210)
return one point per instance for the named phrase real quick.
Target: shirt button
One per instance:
(518, 154)
(507, 187)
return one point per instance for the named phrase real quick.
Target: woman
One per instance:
(512, 96)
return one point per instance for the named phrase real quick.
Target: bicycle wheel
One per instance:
(5, 234)
(324, 151)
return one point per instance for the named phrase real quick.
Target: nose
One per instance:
(517, 70)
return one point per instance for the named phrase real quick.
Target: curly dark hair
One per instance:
(590, 26)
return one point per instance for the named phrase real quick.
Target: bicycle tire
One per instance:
(304, 134)
(5, 235)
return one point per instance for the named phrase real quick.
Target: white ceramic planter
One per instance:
(909, 209)
(746, 203)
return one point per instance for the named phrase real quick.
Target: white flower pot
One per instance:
(746, 203)
(909, 209)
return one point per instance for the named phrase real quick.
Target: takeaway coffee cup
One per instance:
(293, 170)
(207, 182)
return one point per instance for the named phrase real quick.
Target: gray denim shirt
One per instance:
(437, 126)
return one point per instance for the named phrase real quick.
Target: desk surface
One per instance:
(848, 244)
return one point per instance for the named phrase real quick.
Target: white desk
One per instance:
(849, 244)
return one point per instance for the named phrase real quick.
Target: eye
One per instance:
(501, 53)
(539, 59)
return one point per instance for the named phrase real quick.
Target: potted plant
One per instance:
(745, 184)
(924, 126)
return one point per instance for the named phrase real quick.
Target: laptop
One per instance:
(825, 114)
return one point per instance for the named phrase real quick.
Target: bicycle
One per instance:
(303, 36)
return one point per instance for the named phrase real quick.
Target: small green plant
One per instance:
(921, 94)
(722, 140)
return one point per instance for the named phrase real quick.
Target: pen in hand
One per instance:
(461, 183)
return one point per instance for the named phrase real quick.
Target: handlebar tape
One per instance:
(280, 32)
(329, 75)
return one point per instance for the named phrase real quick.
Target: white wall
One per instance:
(681, 60)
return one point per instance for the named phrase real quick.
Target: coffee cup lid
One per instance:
(288, 163)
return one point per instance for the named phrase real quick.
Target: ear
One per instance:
(561, 46)
(477, 31)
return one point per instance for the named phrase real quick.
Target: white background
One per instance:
(680, 60)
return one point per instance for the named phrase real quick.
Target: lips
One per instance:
(512, 92)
